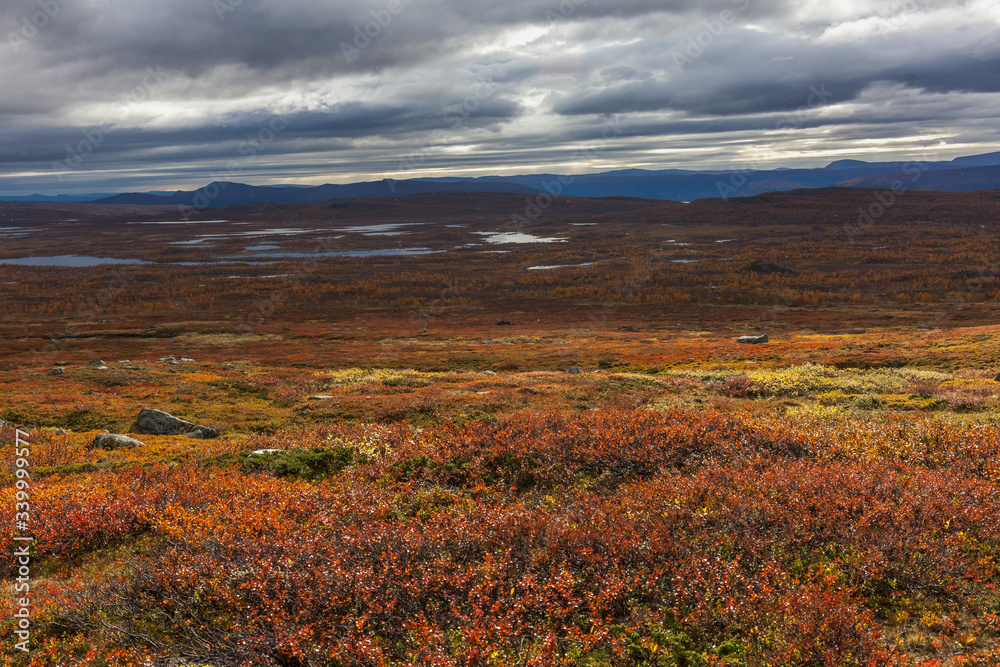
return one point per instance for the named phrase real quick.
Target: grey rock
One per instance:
(61, 431)
(167, 360)
(576, 370)
(61, 363)
(115, 441)
(262, 452)
(202, 433)
(489, 373)
(96, 362)
(157, 422)
(321, 397)
(176, 345)
(57, 371)
(997, 378)
(753, 340)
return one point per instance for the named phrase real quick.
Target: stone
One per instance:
(61, 363)
(57, 371)
(167, 360)
(576, 370)
(262, 452)
(753, 340)
(157, 422)
(176, 345)
(115, 441)
(186, 359)
(61, 431)
(997, 378)
(96, 362)
(321, 397)
(489, 372)
(201, 433)
(504, 323)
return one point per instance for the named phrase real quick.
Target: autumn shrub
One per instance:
(610, 537)
(738, 387)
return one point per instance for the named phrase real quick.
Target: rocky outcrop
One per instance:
(753, 340)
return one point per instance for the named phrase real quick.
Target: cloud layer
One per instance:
(109, 95)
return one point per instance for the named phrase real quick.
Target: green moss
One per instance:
(314, 463)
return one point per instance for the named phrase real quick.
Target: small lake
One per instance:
(386, 252)
(517, 237)
(74, 261)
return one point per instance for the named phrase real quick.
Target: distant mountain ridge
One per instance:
(973, 172)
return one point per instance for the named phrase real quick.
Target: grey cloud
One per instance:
(519, 85)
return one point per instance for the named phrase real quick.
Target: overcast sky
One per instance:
(123, 95)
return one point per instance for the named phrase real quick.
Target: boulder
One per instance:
(157, 422)
(576, 370)
(57, 371)
(96, 362)
(753, 340)
(114, 441)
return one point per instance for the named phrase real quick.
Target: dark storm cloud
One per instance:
(362, 86)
